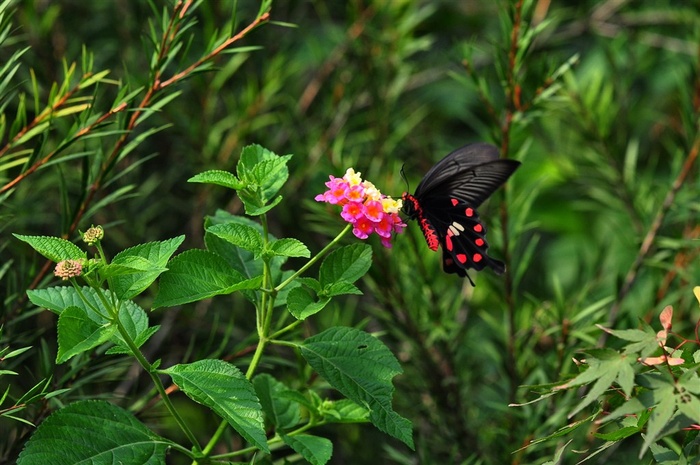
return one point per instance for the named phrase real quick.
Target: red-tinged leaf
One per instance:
(666, 317)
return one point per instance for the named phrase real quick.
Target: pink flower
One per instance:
(374, 211)
(363, 228)
(385, 226)
(355, 193)
(352, 211)
(66, 269)
(367, 209)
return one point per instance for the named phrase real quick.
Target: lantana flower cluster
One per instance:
(368, 210)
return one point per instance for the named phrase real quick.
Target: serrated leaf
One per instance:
(223, 388)
(619, 434)
(243, 260)
(302, 304)
(93, 432)
(660, 416)
(156, 256)
(347, 264)
(313, 284)
(129, 266)
(218, 177)
(301, 399)
(53, 248)
(604, 372)
(239, 235)
(288, 247)
(253, 205)
(263, 168)
(271, 175)
(196, 275)
(240, 259)
(344, 411)
(139, 340)
(361, 367)
(316, 450)
(251, 155)
(133, 318)
(689, 405)
(281, 411)
(341, 288)
(78, 333)
(632, 407)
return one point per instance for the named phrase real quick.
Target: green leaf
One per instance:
(239, 235)
(263, 174)
(93, 432)
(281, 411)
(316, 450)
(311, 283)
(240, 259)
(344, 411)
(224, 389)
(270, 175)
(341, 288)
(218, 177)
(53, 248)
(347, 264)
(243, 260)
(660, 416)
(302, 304)
(251, 155)
(361, 367)
(78, 333)
(611, 367)
(289, 248)
(133, 318)
(155, 255)
(128, 266)
(311, 404)
(254, 206)
(196, 275)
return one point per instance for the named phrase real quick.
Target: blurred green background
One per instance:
(377, 85)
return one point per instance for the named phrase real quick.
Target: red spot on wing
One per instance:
(454, 202)
(448, 241)
(461, 258)
(479, 242)
(477, 258)
(478, 227)
(469, 212)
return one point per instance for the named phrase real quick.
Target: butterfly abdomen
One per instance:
(415, 211)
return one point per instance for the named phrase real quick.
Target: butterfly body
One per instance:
(445, 203)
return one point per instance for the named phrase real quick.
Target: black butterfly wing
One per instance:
(445, 203)
(471, 173)
(461, 234)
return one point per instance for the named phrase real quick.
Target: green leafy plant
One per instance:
(645, 388)
(244, 257)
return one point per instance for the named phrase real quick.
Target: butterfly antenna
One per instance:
(403, 176)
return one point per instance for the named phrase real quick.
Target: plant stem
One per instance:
(114, 312)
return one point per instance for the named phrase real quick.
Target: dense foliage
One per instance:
(107, 109)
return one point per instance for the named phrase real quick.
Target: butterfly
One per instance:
(445, 203)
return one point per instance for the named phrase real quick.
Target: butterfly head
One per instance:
(411, 207)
